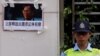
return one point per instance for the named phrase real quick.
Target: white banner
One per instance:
(22, 25)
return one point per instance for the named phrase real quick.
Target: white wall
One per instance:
(23, 43)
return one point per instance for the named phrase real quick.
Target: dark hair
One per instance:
(31, 6)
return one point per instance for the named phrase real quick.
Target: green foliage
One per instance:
(82, 17)
(67, 11)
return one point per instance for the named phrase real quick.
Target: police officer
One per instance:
(81, 34)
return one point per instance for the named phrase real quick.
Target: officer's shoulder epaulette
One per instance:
(68, 50)
(95, 49)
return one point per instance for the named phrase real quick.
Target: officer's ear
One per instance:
(90, 33)
(92, 29)
(73, 34)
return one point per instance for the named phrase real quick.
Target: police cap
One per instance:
(82, 26)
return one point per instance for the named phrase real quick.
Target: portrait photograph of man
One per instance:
(23, 17)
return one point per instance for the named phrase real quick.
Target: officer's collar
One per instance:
(89, 48)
